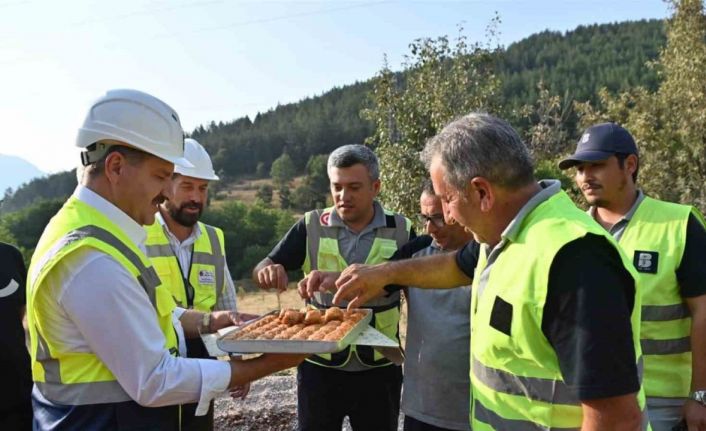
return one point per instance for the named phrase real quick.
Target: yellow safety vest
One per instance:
(207, 271)
(79, 378)
(655, 237)
(515, 379)
(322, 253)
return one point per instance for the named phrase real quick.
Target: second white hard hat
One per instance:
(197, 155)
(136, 119)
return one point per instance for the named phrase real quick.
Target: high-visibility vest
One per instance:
(516, 380)
(322, 253)
(655, 238)
(81, 378)
(207, 271)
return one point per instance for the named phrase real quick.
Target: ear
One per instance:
(376, 186)
(115, 165)
(631, 164)
(484, 193)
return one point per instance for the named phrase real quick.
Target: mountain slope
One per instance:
(16, 171)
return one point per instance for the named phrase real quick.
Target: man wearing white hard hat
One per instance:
(189, 257)
(103, 345)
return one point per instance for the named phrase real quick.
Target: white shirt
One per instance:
(182, 250)
(95, 305)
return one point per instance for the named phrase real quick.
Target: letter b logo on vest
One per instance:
(646, 261)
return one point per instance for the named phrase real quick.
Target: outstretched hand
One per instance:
(358, 284)
(317, 281)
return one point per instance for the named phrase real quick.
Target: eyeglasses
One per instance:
(436, 219)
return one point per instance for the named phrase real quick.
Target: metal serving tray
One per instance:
(227, 344)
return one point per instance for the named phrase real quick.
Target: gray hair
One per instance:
(349, 155)
(481, 145)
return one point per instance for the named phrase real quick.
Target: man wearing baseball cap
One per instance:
(666, 242)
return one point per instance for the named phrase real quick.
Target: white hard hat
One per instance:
(196, 154)
(137, 119)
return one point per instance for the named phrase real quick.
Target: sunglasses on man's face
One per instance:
(436, 219)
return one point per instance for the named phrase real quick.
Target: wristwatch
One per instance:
(699, 397)
(206, 323)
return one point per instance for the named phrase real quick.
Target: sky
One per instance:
(218, 60)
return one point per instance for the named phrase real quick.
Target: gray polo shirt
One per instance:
(354, 248)
(436, 387)
(618, 228)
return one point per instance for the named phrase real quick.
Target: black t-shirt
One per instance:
(590, 297)
(691, 273)
(15, 372)
(290, 252)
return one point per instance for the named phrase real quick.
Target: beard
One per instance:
(179, 215)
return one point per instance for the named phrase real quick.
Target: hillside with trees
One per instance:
(548, 85)
(574, 64)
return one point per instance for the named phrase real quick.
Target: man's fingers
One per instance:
(302, 289)
(281, 278)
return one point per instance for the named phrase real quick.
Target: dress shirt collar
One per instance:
(195, 232)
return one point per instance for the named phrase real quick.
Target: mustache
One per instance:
(158, 200)
(191, 205)
(590, 185)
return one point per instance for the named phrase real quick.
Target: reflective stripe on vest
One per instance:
(516, 380)
(207, 259)
(323, 254)
(78, 378)
(654, 239)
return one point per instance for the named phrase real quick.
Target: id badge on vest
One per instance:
(646, 261)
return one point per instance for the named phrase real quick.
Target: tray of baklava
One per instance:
(297, 331)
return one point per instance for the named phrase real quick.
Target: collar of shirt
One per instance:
(188, 242)
(132, 229)
(378, 220)
(628, 215)
(549, 189)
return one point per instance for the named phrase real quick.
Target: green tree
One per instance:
(283, 170)
(442, 80)
(26, 225)
(285, 197)
(264, 194)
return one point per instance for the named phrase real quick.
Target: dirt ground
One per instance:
(271, 404)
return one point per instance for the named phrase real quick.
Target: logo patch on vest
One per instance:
(206, 277)
(324, 218)
(646, 261)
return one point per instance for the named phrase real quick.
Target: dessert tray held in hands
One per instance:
(297, 331)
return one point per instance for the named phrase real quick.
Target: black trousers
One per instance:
(370, 399)
(191, 422)
(411, 424)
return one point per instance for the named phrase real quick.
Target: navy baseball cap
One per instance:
(598, 143)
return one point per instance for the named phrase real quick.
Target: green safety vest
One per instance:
(207, 271)
(79, 378)
(655, 237)
(515, 375)
(322, 253)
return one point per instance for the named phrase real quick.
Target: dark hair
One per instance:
(132, 155)
(428, 187)
(621, 163)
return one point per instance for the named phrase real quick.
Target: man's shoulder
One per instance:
(666, 208)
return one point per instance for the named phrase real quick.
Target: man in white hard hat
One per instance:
(103, 343)
(189, 257)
